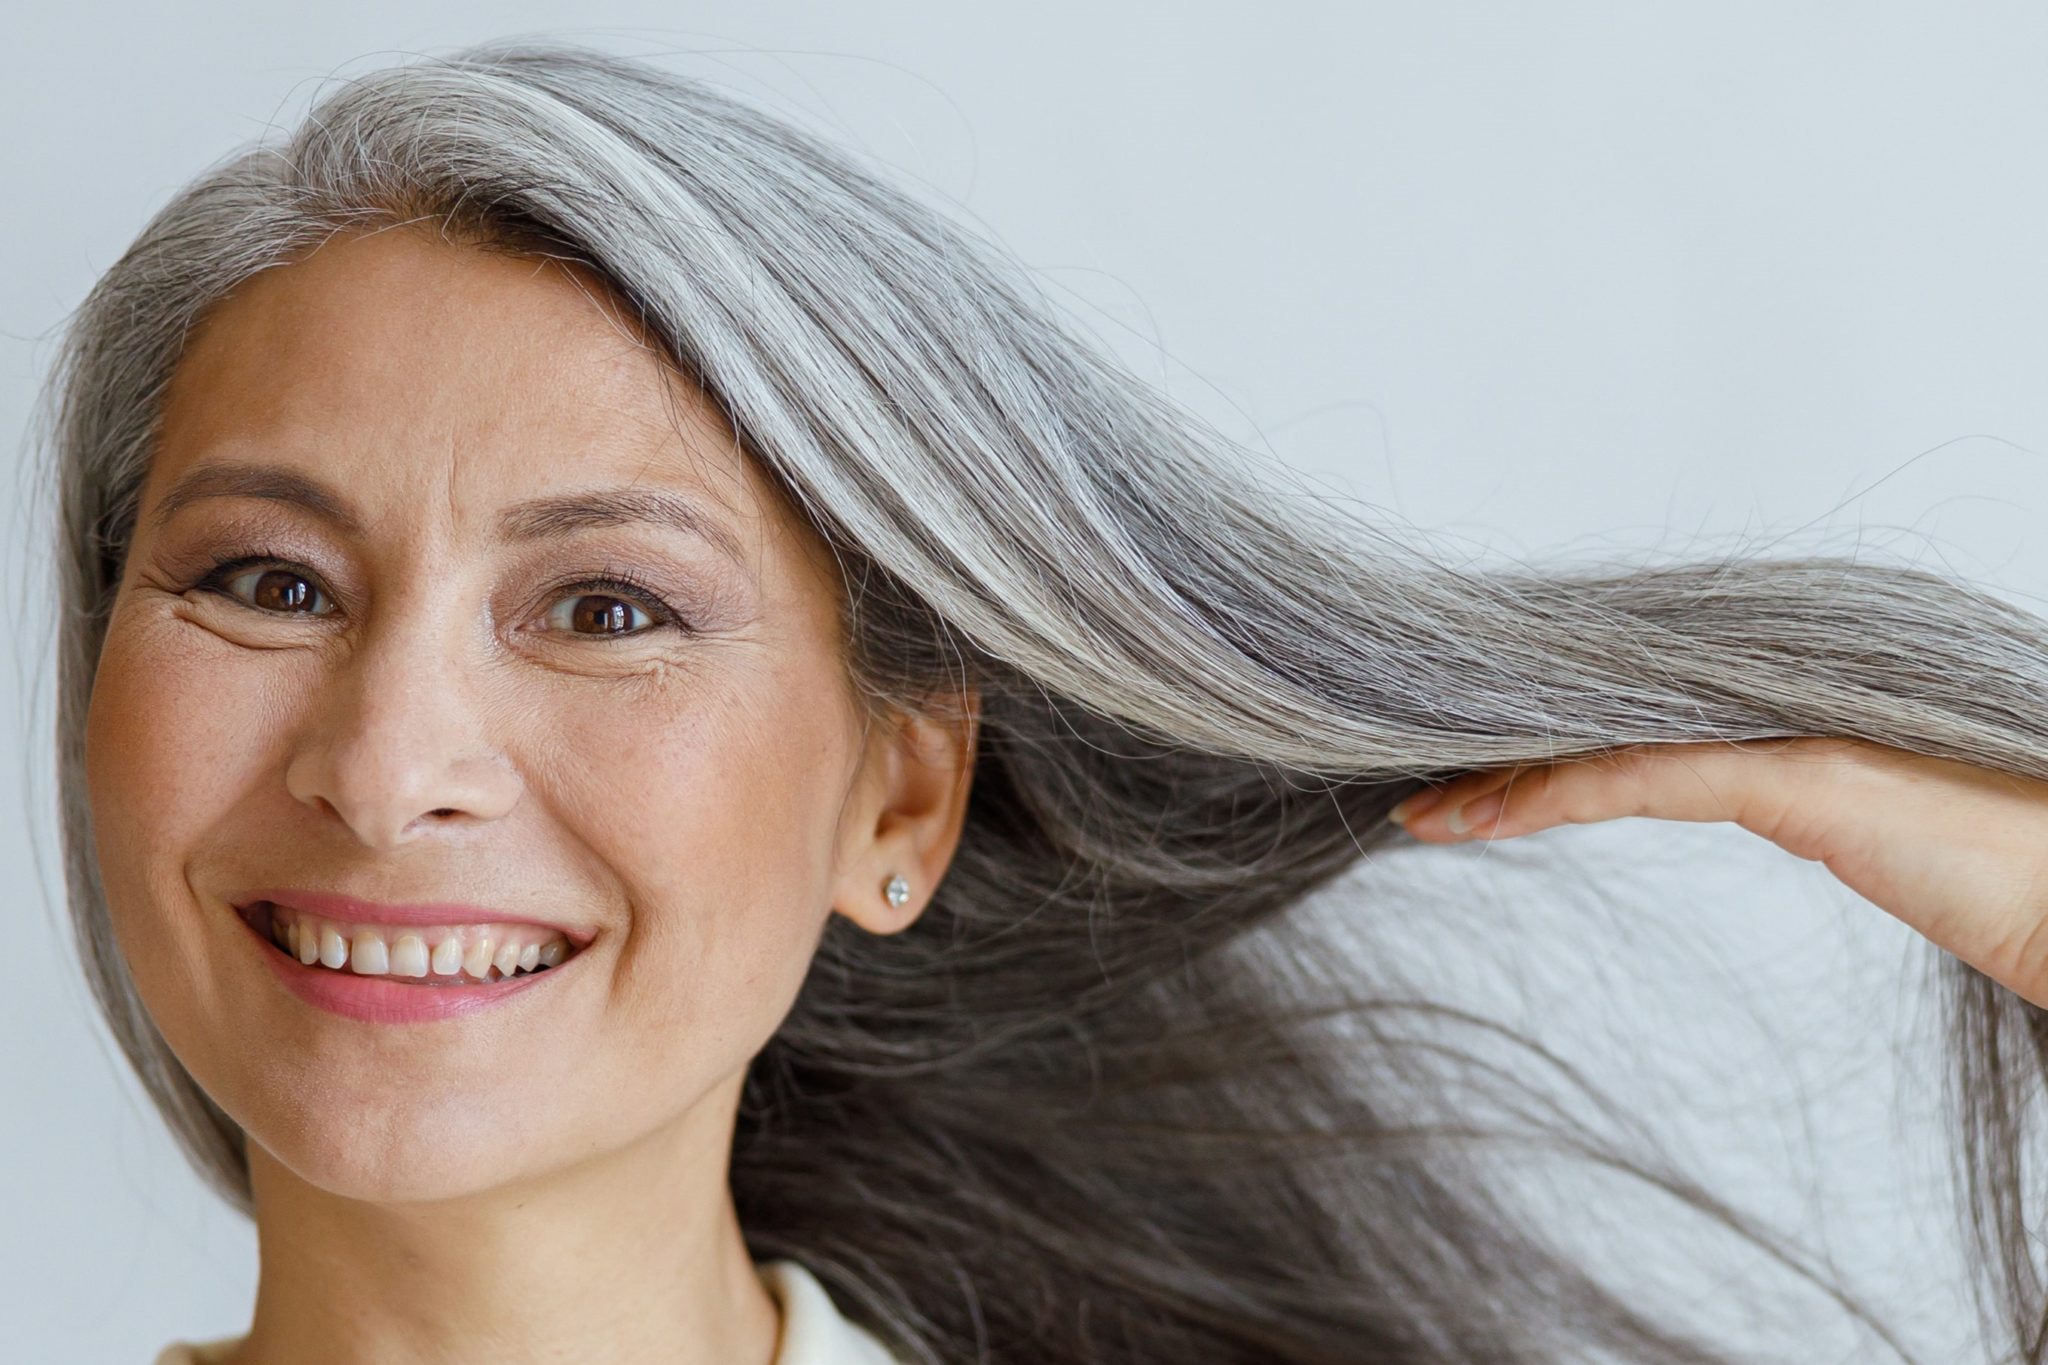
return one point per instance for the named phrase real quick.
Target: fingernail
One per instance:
(1419, 804)
(1475, 812)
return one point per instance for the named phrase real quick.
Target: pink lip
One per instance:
(382, 999)
(330, 905)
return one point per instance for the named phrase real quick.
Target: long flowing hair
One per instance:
(1105, 1100)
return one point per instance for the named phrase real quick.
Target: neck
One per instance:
(633, 1256)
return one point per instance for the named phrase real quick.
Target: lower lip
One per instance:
(381, 1000)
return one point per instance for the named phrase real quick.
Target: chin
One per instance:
(398, 1154)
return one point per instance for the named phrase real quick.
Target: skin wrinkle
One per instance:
(552, 1172)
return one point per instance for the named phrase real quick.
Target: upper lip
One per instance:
(355, 910)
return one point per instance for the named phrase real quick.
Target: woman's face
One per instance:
(418, 694)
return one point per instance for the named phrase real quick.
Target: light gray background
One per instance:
(1544, 279)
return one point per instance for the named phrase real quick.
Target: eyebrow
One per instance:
(542, 518)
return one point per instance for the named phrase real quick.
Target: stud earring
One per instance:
(898, 891)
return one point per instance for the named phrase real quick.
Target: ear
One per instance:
(904, 813)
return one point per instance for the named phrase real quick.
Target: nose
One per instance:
(397, 744)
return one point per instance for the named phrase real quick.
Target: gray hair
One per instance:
(1079, 1110)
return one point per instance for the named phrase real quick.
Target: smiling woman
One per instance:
(660, 765)
(399, 621)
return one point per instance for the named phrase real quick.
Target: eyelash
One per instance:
(612, 582)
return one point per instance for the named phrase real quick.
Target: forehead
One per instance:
(405, 366)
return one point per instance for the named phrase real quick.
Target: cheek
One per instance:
(715, 812)
(173, 732)
(169, 744)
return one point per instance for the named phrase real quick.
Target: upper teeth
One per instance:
(472, 950)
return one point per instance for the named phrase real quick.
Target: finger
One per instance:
(1756, 784)
(1454, 792)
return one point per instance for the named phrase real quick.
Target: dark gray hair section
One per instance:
(1091, 1105)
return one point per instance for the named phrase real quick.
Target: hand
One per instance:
(1957, 852)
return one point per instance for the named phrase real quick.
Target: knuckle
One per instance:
(2019, 961)
(2019, 958)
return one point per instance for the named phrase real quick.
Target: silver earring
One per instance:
(898, 891)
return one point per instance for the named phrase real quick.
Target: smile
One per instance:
(438, 955)
(374, 972)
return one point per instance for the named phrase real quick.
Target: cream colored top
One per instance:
(813, 1330)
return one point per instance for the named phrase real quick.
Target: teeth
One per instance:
(408, 955)
(369, 957)
(447, 958)
(455, 954)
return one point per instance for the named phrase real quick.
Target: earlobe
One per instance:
(869, 913)
(883, 909)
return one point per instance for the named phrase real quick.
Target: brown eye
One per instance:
(281, 590)
(273, 587)
(603, 607)
(598, 614)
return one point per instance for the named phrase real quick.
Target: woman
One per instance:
(660, 766)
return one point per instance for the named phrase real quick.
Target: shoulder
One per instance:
(814, 1331)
